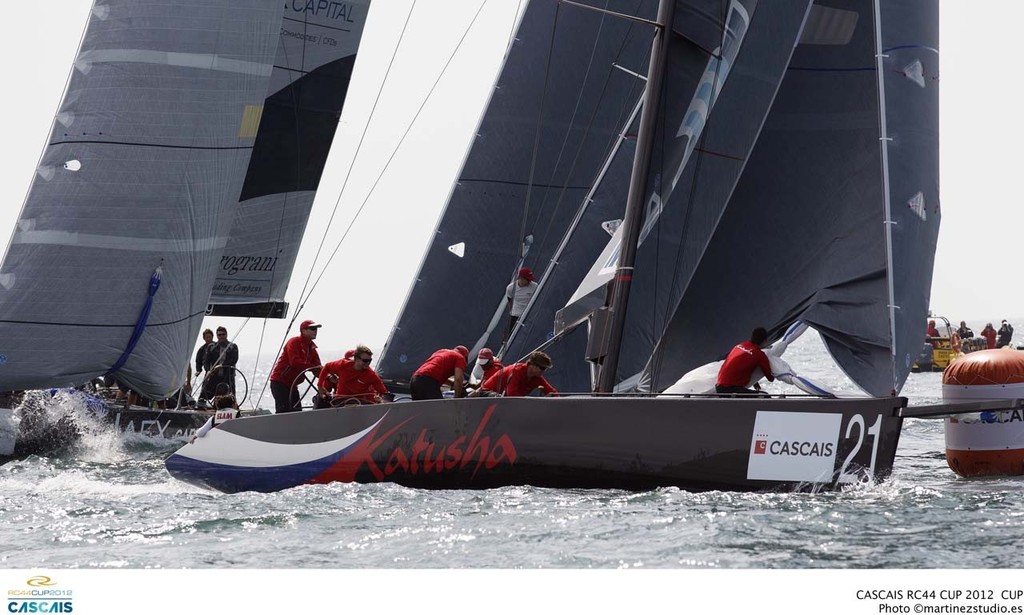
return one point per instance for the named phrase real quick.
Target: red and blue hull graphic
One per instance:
(628, 443)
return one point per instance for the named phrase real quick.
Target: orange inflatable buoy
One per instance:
(987, 443)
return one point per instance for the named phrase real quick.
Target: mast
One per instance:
(631, 223)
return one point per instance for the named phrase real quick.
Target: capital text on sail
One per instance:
(341, 11)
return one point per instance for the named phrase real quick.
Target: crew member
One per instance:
(739, 366)
(444, 364)
(220, 361)
(299, 354)
(519, 294)
(351, 379)
(486, 366)
(521, 379)
(201, 358)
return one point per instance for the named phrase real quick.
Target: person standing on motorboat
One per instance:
(1005, 334)
(989, 333)
(739, 366)
(964, 331)
(299, 354)
(520, 379)
(444, 364)
(519, 294)
(351, 379)
(220, 361)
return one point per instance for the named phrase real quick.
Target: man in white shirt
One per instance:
(519, 294)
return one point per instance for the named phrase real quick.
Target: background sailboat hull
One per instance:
(627, 443)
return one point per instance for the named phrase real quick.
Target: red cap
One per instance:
(309, 324)
(350, 353)
(484, 356)
(526, 273)
(463, 351)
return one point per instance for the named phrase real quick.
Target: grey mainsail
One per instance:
(806, 234)
(315, 55)
(110, 264)
(569, 84)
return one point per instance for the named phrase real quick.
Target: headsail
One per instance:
(568, 86)
(805, 233)
(315, 56)
(719, 84)
(142, 172)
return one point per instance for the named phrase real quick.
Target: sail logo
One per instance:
(40, 598)
(340, 11)
(794, 446)
(233, 264)
(425, 456)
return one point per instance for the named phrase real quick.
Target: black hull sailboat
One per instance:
(569, 442)
(771, 163)
(25, 435)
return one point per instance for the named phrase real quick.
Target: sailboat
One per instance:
(778, 163)
(177, 179)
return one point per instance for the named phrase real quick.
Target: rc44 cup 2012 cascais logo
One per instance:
(40, 594)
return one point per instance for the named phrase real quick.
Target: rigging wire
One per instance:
(590, 124)
(519, 251)
(323, 239)
(304, 296)
(656, 360)
(610, 149)
(308, 287)
(298, 175)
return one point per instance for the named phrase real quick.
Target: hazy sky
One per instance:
(975, 267)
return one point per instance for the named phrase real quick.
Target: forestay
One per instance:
(571, 81)
(141, 174)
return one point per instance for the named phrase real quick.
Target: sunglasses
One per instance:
(364, 359)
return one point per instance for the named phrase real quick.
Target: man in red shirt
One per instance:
(299, 354)
(444, 364)
(351, 379)
(521, 379)
(739, 366)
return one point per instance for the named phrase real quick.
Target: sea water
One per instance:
(109, 503)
